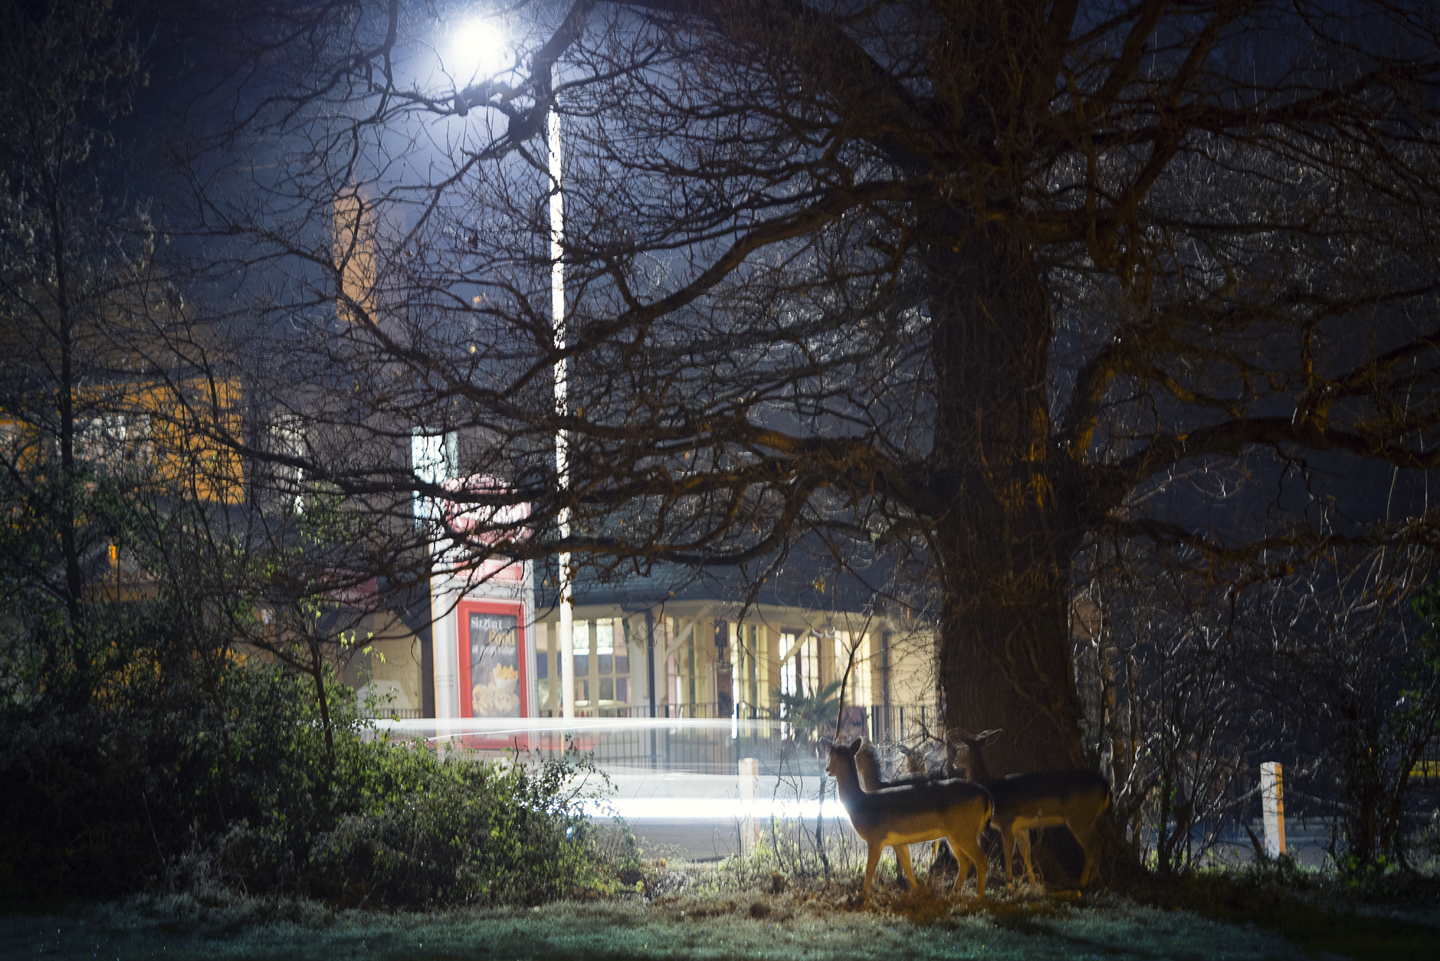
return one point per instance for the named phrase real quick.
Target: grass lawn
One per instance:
(811, 924)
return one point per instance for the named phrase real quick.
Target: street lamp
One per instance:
(565, 582)
(481, 44)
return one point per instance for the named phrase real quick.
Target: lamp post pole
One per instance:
(565, 587)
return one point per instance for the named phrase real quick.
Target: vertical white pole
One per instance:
(737, 644)
(445, 647)
(562, 455)
(749, 778)
(1272, 803)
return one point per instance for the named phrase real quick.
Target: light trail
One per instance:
(712, 809)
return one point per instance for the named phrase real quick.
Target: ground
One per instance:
(814, 924)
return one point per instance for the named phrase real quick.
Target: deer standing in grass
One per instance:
(1074, 798)
(907, 814)
(867, 767)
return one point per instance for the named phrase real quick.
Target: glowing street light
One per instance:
(482, 45)
(478, 47)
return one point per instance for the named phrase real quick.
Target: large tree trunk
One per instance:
(1004, 655)
(1002, 543)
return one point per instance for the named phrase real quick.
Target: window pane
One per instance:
(582, 665)
(604, 637)
(542, 662)
(607, 689)
(580, 639)
(607, 663)
(582, 692)
(622, 689)
(622, 660)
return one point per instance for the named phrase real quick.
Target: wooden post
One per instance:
(749, 779)
(1272, 802)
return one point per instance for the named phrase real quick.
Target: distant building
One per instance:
(669, 645)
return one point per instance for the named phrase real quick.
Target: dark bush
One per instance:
(389, 823)
(176, 779)
(478, 834)
(107, 743)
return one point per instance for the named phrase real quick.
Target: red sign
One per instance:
(494, 673)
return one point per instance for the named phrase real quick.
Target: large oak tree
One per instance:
(974, 283)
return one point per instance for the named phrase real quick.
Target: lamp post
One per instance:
(481, 42)
(564, 582)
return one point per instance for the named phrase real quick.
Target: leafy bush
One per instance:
(414, 831)
(173, 784)
(811, 715)
(104, 757)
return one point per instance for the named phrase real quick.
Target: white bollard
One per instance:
(749, 779)
(1272, 804)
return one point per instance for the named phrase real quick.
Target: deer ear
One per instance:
(855, 745)
(985, 737)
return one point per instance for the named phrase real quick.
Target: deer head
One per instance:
(842, 758)
(972, 747)
(914, 759)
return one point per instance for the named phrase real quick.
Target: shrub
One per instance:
(104, 758)
(176, 785)
(409, 830)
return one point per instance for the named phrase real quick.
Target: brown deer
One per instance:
(867, 767)
(908, 814)
(1074, 798)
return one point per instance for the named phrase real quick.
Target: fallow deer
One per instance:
(911, 813)
(867, 766)
(1074, 798)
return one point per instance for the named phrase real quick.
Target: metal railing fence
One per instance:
(696, 744)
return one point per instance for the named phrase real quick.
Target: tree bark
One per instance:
(317, 672)
(1004, 658)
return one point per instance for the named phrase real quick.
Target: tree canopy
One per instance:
(971, 285)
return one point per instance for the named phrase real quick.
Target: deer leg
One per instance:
(872, 858)
(968, 847)
(902, 855)
(1087, 839)
(1022, 838)
(1007, 852)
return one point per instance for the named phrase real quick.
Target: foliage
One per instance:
(76, 287)
(1189, 686)
(1369, 682)
(391, 824)
(812, 714)
(299, 574)
(160, 781)
(135, 739)
(1168, 719)
(106, 750)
